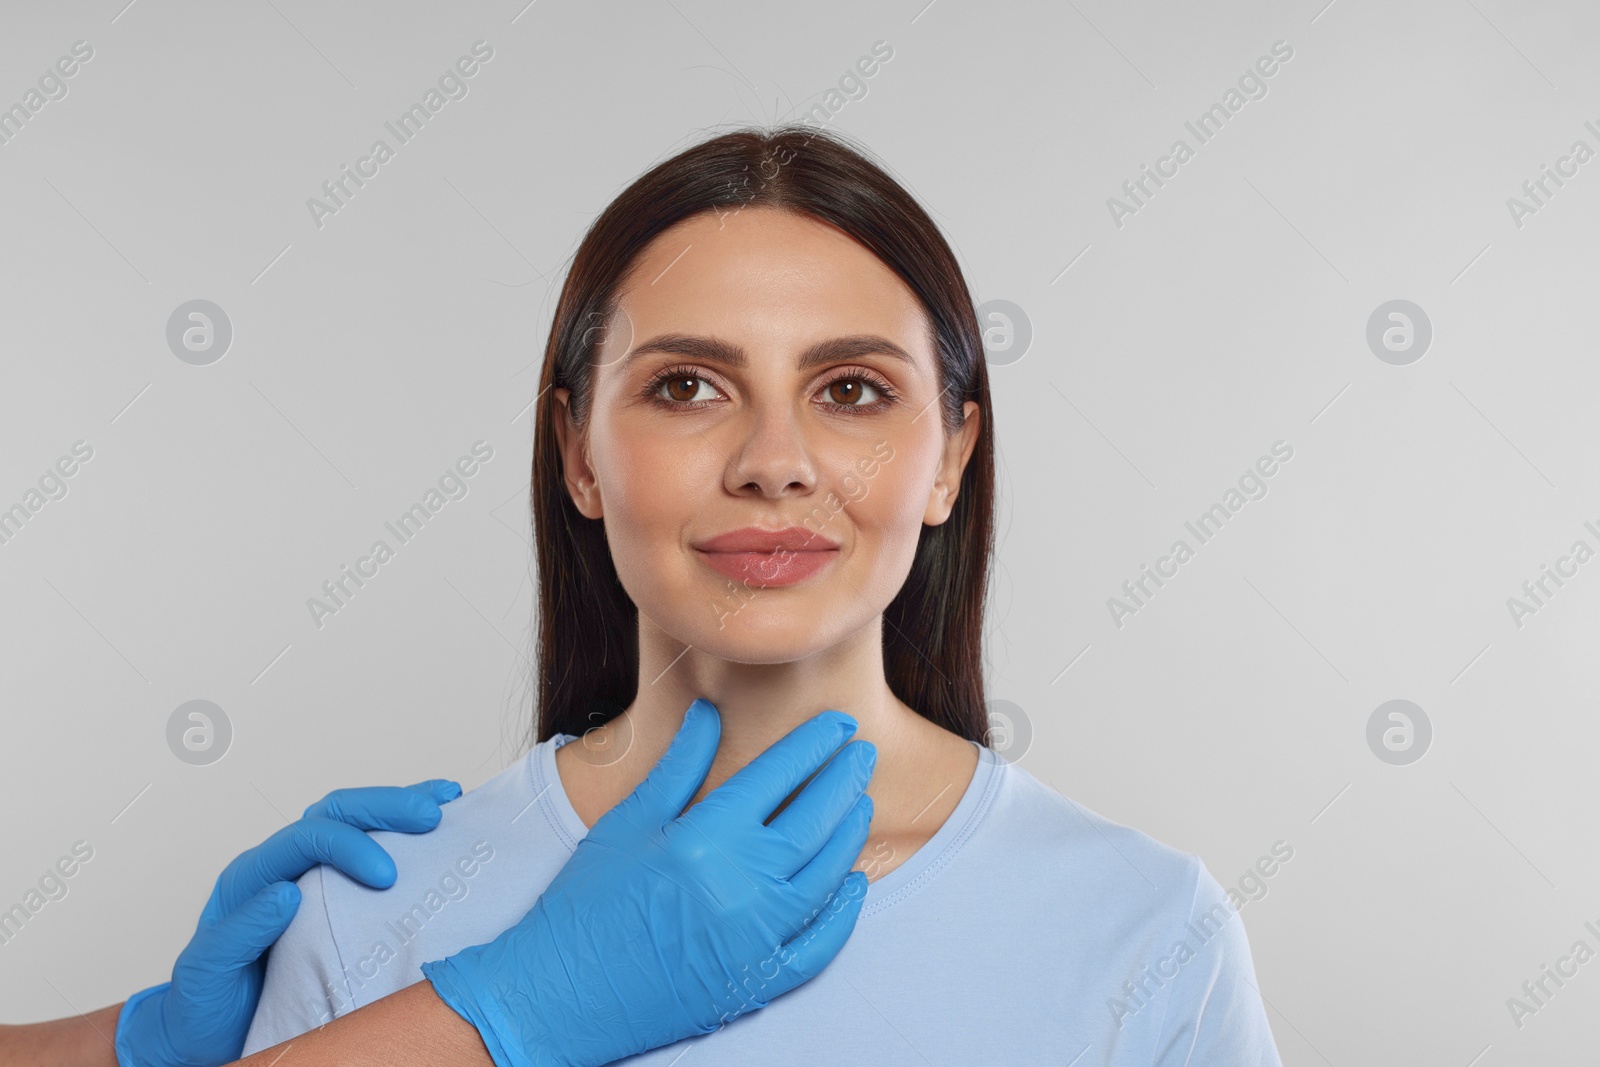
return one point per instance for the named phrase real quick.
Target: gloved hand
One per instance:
(665, 923)
(201, 1016)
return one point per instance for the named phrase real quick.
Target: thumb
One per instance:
(241, 936)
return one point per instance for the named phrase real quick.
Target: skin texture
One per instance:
(756, 446)
(80, 1041)
(409, 1028)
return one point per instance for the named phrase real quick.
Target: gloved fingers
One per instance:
(333, 831)
(813, 882)
(407, 809)
(760, 785)
(293, 851)
(239, 937)
(804, 957)
(811, 818)
(678, 775)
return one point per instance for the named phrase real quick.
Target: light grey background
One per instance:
(1168, 354)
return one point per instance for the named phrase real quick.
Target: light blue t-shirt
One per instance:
(1028, 930)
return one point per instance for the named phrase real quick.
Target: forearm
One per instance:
(410, 1028)
(81, 1041)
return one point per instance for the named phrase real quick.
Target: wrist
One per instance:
(512, 1039)
(141, 1038)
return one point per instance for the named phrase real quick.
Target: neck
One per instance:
(758, 703)
(922, 769)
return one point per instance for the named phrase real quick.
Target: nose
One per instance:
(770, 457)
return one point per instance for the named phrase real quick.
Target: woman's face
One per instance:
(764, 371)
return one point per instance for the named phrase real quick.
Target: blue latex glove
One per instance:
(201, 1016)
(665, 923)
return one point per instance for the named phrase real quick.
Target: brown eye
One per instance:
(846, 392)
(682, 388)
(677, 389)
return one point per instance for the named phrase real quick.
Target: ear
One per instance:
(582, 485)
(957, 450)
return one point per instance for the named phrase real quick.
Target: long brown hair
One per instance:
(588, 627)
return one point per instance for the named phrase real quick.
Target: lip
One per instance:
(755, 539)
(767, 558)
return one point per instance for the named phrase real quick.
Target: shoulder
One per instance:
(1175, 944)
(1038, 824)
(494, 840)
(297, 990)
(503, 810)
(314, 972)
(1214, 1011)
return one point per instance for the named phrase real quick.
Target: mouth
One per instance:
(767, 558)
(756, 539)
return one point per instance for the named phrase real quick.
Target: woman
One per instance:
(763, 474)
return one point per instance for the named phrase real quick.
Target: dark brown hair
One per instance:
(588, 627)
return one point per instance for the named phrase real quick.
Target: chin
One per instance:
(783, 638)
(776, 626)
(754, 625)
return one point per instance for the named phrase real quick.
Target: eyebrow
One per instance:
(711, 350)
